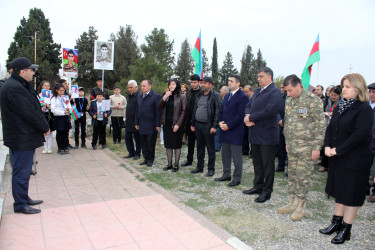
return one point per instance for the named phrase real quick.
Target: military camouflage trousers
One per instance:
(300, 168)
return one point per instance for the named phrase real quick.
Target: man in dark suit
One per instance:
(261, 118)
(147, 121)
(23, 128)
(204, 121)
(231, 125)
(130, 131)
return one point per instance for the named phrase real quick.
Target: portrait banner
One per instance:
(104, 55)
(70, 62)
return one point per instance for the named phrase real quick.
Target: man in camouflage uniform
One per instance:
(304, 134)
(70, 67)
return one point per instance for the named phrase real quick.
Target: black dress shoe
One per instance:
(149, 164)
(223, 178)
(60, 152)
(94, 147)
(104, 146)
(252, 191)
(34, 202)
(128, 156)
(28, 210)
(196, 171)
(175, 168)
(279, 170)
(136, 157)
(143, 162)
(210, 173)
(66, 151)
(166, 168)
(234, 183)
(263, 197)
(83, 146)
(70, 146)
(185, 164)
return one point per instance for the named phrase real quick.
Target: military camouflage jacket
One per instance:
(304, 127)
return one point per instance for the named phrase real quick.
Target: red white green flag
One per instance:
(197, 56)
(313, 58)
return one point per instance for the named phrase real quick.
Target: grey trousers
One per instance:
(229, 152)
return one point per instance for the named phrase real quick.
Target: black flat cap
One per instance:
(371, 86)
(208, 79)
(23, 63)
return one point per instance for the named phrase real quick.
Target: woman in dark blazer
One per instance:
(174, 105)
(347, 144)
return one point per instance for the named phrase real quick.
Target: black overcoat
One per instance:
(348, 172)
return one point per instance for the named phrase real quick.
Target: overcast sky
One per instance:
(284, 30)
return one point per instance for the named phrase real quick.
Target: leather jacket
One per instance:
(179, 109)
(213, 108)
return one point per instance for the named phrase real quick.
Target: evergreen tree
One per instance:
(258, 63)
(246, 66)
(126, 53)
(206, 65)
(85, 44)
(185, 63)
(47, 52)
(227, 69)
(214, 64)
(157, 61)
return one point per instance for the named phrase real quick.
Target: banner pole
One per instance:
(103, 78)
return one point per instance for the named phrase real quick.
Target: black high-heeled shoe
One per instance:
(176, 168)
(343, 235)
(334, 227)
(168, 167)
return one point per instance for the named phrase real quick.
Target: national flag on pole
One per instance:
(75, 113)
(313, 58)
(197, 56)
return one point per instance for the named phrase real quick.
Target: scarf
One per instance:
(345, 104)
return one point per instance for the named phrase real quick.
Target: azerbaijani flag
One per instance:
(313, 58)
(197, 56)
(75, 113)
(41, 101)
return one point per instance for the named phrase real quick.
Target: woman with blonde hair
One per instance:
(347, 144)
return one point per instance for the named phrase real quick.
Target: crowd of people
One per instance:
(298, 126)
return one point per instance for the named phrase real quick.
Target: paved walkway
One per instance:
(92, 202)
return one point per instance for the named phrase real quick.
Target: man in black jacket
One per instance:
(99, 88)
(204, 121)
(191, 95)
(130, 131)
(23, 128)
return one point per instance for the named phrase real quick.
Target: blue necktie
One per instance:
(230, 95)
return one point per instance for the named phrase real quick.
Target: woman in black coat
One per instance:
(174, 109)
(347, 144)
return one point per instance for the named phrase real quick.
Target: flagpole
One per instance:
(317, 74)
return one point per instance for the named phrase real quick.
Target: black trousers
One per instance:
(116, 125)
(99, 131)
(148, 143)
(264, 167)
(245, 141)
(281, 152)
(191, 145)
(77, 123)
(130, 143)
(205, 140)
(62, 139)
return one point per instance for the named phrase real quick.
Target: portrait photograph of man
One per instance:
(70, 62)
(103, 55)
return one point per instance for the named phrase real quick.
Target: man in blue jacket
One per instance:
(232, 129)
(261, 118)
(147, 121)
(23, 128)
